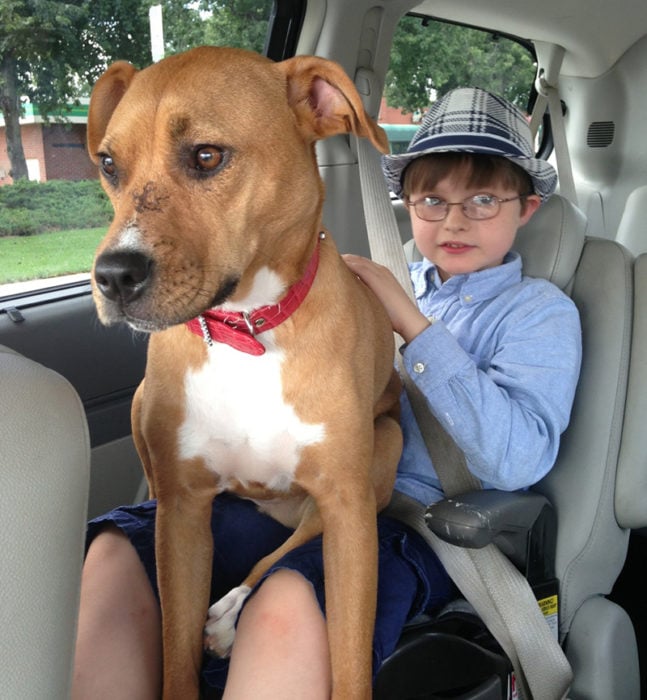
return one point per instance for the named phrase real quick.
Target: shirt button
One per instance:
(467, 298)
(419, 367)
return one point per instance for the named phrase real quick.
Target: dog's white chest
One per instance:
(238, 421)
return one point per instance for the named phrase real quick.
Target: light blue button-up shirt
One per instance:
(499, 367)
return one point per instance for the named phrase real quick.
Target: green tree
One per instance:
(430, 58)
(183, 25)
(32, 33)
(238, 23)
(121, 28)
(49, 50)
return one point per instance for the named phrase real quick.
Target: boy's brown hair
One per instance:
(476, 169)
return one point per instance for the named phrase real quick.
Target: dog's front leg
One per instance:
(350, 549)
(139, 440)
(184, 550)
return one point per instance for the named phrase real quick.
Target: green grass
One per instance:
(29, 208)
(48, 254)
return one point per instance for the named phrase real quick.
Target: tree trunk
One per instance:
(10, 107)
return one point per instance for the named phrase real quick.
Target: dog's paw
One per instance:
(221, 622)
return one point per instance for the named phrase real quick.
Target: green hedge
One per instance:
(28, 208)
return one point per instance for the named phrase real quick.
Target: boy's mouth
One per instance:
(455, 247)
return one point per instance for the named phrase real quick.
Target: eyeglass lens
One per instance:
(480, 206)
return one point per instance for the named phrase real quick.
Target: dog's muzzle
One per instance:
(122, 277)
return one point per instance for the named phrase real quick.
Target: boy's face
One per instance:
(459, 245)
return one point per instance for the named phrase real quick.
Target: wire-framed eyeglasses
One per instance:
(478, 206)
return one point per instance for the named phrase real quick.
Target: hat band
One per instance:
(477, 143)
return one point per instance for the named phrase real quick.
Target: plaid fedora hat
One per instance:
(471, 120)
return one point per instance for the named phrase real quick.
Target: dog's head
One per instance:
(208, 159)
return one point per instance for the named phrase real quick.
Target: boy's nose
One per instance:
(456, 218)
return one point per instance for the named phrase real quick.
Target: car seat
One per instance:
(631, 226)
(45, 457)
(578, 523)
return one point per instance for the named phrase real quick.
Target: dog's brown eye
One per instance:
(108, 166)
(208, 158)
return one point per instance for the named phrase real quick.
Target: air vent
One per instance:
(600, 134)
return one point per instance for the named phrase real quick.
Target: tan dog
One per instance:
(208, 158)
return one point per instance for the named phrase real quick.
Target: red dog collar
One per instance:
(240, 328)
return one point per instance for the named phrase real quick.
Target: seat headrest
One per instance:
(551, 243)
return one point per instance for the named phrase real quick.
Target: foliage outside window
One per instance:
(430, 58)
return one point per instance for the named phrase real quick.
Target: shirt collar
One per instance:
(473, 287)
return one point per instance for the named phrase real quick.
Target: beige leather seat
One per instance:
(592, 539)
(631, 480)
(44, 462)
(632, 224)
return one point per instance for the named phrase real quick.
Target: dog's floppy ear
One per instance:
(106, 95)
(326, 102)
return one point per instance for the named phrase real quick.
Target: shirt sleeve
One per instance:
(507, 411)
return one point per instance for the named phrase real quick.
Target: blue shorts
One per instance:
(411, 580)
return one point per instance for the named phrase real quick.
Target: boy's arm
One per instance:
(507, 417)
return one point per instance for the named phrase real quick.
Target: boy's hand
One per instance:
(406, 318)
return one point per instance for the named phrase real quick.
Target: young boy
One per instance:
(497, 356)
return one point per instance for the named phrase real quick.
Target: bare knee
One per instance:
(282, 606)
(114, 580)
(281, 644)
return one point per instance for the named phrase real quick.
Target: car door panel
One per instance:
(104, 365)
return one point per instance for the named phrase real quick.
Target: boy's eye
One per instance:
(484, 200)
(433, 201)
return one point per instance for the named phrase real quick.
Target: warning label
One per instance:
(549, 607)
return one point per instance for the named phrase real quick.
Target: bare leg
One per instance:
(119, 649)
(281, 644)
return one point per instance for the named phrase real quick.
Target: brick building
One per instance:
(53, 150)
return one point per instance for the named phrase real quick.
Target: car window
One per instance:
(53, 212)
(429, 58)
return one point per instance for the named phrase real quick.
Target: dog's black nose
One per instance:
(122, 275)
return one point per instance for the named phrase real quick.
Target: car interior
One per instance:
(66, 381)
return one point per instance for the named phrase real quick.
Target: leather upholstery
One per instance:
(44, 458)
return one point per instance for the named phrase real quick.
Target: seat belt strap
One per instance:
(455, 478)
(490, 583)
(537, 116)
(564, 168)
(548, 97)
